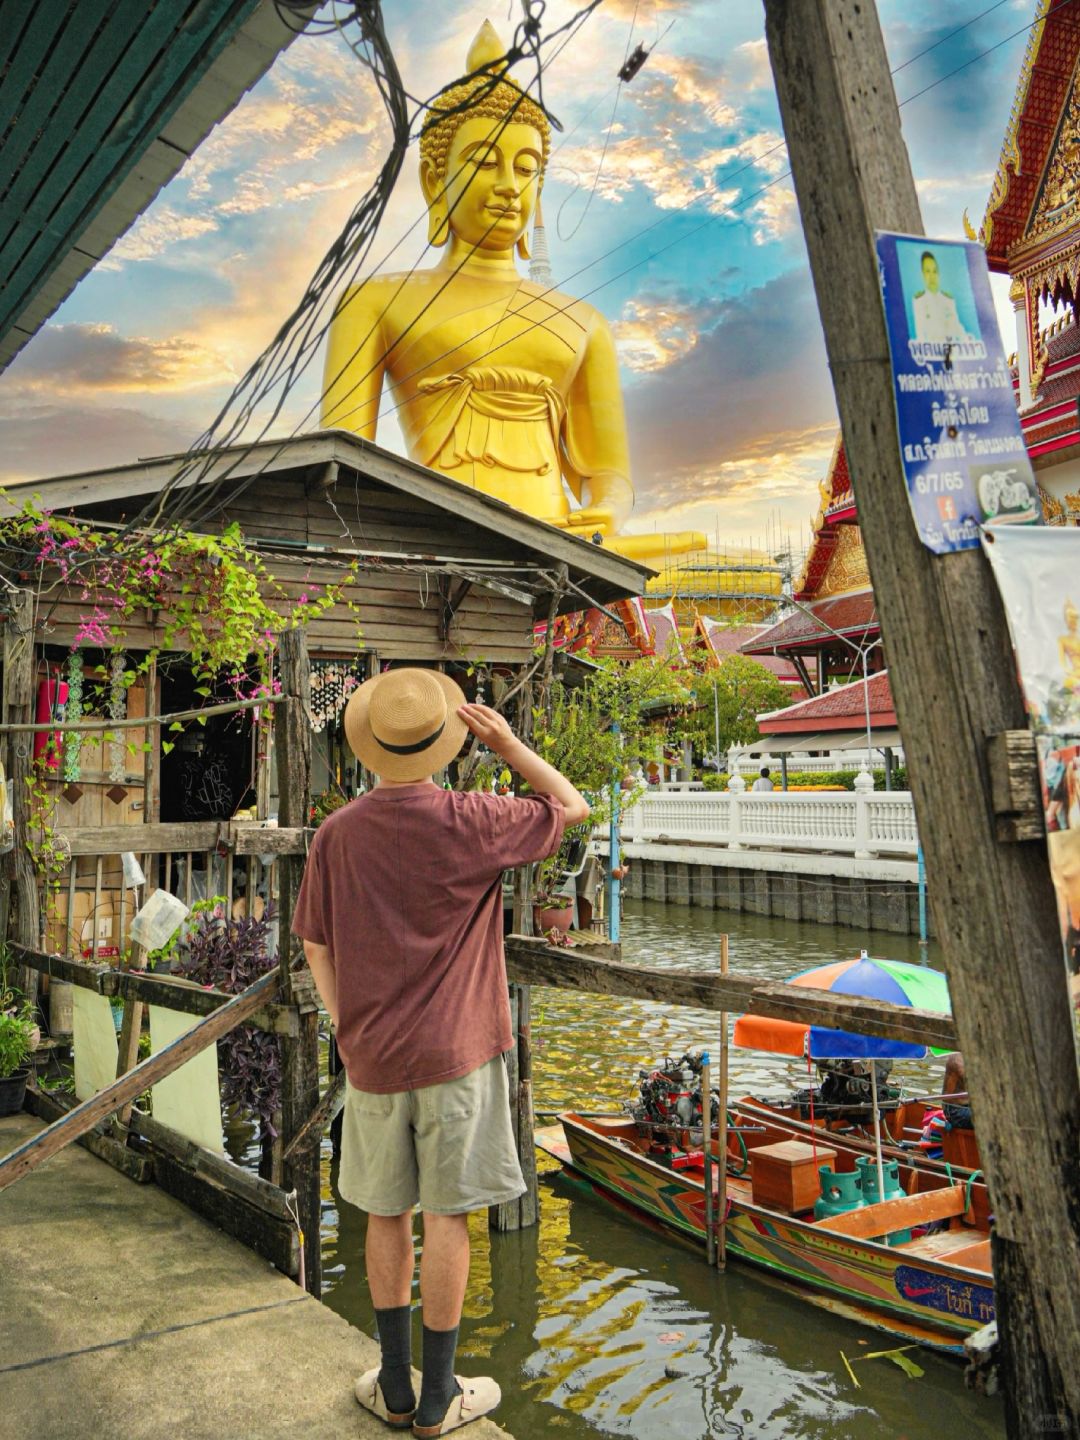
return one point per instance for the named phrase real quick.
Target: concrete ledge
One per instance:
(126, 1315)
(781, 862)
(870, 894)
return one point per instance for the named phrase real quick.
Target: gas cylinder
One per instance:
(840, 1192)
(866, 1166)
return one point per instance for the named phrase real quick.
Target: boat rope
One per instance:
(733, 1129)
(970, 1186)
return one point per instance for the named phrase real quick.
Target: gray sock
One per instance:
(395, 1340)
(439, 1386)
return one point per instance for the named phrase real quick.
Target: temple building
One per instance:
(1031, 231)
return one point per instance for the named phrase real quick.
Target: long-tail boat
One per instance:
(916, 1266)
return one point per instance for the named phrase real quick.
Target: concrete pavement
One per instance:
(124, 1315)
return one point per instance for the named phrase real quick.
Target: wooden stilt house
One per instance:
(389, 564)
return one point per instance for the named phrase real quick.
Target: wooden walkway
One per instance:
(124, 1314)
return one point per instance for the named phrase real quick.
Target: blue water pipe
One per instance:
(923, 940)
(614, 854)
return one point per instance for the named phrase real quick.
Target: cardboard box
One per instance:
(76, 935)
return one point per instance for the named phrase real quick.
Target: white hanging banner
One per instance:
(1038, 574)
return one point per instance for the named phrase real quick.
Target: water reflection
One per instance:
(594, 1325)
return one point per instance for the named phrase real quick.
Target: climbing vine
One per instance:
(212, 598)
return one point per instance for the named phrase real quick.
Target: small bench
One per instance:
(899, 1214)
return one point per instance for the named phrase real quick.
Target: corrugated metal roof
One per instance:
(101, 102)
(600, 574)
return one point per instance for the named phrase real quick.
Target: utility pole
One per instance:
(954, 682)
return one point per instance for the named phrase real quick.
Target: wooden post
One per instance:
(521, 1213)
(707, 1158)
(954, 680)
(721, 1196)
(300, 1068)
(20, 885)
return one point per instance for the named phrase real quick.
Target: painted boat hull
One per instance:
(905, 1294)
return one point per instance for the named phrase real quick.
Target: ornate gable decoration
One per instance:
(1009, 162)
(1057, 207)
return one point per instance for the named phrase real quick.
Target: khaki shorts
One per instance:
(448, 1148)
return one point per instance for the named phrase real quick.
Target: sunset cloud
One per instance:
(84, 359)
(746, 408)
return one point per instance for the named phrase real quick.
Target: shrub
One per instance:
(231, 955)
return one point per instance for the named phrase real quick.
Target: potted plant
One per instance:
(552, 910)
(19, 1038)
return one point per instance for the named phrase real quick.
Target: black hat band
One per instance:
(409, 749)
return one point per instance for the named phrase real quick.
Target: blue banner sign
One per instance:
(960, 440)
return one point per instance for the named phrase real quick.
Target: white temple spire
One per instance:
(540, 265)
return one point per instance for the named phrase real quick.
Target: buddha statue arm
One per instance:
(355, 363)
(595, 449)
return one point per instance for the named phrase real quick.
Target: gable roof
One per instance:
(853, 616)
(1046, 78)
(100, 106)
(841, 709)
(720, 640)
(595, 574)
(836, 508)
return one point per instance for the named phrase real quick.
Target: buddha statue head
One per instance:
(483, 152)
(1072, 617)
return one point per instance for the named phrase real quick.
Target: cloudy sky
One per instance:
(686, 236)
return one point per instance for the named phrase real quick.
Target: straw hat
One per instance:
(404, 724)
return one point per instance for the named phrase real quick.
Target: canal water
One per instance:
(594, 1326)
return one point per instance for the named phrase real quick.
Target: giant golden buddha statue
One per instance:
(499, 383)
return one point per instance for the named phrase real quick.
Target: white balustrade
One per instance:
(846, 823)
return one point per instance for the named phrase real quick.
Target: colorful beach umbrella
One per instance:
(916, 986)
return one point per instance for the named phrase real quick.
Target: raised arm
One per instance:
(355, 362)
(493, 731)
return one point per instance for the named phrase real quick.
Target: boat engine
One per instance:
(670, 1094)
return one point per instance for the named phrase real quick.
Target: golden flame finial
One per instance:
(485, 49)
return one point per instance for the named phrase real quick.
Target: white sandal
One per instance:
(369, 1394)
(478, 1397)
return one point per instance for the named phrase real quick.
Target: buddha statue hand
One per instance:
(610, 500)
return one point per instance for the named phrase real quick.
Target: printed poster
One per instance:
(1038, 574)
(960, 440)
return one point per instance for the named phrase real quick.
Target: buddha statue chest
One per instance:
(481, 379)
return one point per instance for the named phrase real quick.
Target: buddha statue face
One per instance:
(491, 183)
(483, 151)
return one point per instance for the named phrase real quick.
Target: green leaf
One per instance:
(167, 747)
(907, 1364)
(176, 725)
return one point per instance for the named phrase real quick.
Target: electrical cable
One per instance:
(726, 212)
(527, 40)
(383, 67)
(607, 141)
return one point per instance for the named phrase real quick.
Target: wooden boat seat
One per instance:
(973, 1257)
(888, 1215)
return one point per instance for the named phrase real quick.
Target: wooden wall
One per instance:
(400, 613)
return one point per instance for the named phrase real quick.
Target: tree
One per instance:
(728, 700)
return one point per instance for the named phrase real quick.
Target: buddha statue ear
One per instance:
(434, 188)
(523, 245)
(438, 223)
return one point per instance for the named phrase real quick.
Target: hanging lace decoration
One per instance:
(73, 711)
(117, 711)
(332, 682)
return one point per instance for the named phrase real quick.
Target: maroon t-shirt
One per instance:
(404, 887)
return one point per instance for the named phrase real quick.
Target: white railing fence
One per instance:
(848, 823)
(747, 765)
